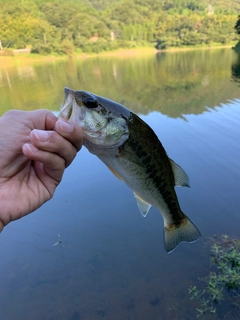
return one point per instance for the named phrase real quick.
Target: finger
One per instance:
(51, 141)
(49, 166)
(70, 131)
(42, 119)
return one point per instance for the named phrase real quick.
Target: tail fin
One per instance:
(186, 232)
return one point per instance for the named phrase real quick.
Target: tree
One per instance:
(237, 26)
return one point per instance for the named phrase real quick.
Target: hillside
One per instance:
(62, 27)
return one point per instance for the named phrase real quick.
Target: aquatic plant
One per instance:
(224, 280)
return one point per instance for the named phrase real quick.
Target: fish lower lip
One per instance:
(70, 110)
(67, 108)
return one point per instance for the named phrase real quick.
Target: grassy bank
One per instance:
(22, 59)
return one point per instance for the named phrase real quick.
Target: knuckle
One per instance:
(13, 113)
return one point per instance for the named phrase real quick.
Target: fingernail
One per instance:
(41, 135)
(65, 126)
(31, 147)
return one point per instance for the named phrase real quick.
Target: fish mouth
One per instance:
(70, 110)
(67, 107)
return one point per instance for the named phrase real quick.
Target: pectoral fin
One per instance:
(130, 156)
(181, 178)
(142, 205)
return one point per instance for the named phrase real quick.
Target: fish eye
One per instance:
(90, 103)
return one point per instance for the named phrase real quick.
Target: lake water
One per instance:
(111, 263)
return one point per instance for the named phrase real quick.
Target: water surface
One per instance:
(111, 263)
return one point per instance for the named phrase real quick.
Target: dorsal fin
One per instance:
(142, 205)
(180, 176)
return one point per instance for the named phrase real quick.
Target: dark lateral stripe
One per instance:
(139, 150)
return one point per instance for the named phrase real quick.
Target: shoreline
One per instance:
(122, 53)
(175, 49)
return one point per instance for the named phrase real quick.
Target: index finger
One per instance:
(70, 131)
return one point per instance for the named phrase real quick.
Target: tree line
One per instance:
(65, 27)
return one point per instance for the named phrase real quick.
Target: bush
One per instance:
(48, 48)
(67, 47)
(99, 46)
(162, 44)
(92, 47)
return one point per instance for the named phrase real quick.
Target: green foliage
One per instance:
(237, 47)
(224, 280)
(67, 47)
(47, 24)
(237, 26)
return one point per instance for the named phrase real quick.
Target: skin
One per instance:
(35, 149)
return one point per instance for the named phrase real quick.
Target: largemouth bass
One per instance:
(133, 152)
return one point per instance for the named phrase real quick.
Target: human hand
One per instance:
(33, 158)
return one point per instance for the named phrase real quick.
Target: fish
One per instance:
(134, 154)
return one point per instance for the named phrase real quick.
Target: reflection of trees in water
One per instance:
(173, 83)
(236, 70)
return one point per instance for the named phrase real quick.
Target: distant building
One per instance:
(26, 50)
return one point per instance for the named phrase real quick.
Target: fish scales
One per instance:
(133, 152)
